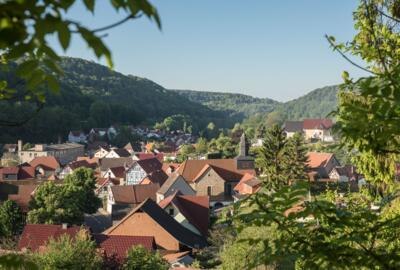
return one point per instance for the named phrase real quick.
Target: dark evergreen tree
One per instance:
(11, 219)
(272, 158)
(296, 154)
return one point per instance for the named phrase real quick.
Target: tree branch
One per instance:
(335, 48)
(107, 27)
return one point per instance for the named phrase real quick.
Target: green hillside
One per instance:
(239, 106)
(94, 96)
(316, 104)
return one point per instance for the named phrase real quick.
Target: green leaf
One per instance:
(89, 4)
(64, 35)
(53, 84)
(27, 67)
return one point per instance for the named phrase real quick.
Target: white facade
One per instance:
(135, 175)
(101, 153)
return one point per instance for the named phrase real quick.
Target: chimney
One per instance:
(19, 145)
(64, 226)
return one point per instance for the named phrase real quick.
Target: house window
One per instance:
(171, 211)
(209, 190)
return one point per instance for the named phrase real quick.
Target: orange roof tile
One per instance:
(49, 163)
(190, 169)
(318, 159)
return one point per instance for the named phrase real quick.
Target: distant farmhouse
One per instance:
(313, 129)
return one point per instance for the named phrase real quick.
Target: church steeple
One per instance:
(243, 150)
(243, 160)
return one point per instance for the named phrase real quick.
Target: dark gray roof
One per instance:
(107, 163)
(122, 152)
(293, 126)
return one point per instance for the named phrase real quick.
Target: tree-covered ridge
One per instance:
(238, 105)
(150, 100)
(91, 95)
(316, 104)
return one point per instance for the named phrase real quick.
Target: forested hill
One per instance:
(316, 104)
(238, 105)
(94, 96)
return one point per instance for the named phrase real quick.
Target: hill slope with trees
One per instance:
(92, 95)
(239, 106)
(316, 104)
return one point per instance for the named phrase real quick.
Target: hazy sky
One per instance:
(264, 48)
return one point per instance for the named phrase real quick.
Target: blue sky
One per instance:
(264, 48)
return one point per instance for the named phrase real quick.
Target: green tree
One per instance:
(202, 146)
(273, 118)
(354, 236)
(296, 158)
(224, 145)
(70, 253)
(139, 258)
(79, 187)
(125, 136)
(101, 113)
(67, 203)
(272, 157)
(11, 219)
(26, 26)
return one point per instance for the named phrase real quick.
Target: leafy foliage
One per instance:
(139, 258)
(70, 253)
(24, 30)
(67, 203)
(11, 219)
(91, 95)
(238, 106)
(330, 231)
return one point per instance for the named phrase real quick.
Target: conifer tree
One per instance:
(296, 154)
(272, 158)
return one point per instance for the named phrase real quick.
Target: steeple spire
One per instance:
(243, 146)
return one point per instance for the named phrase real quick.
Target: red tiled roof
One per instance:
(185, 236)
(317, 123)
(318, 159)
(9, 170)
(227, 175)
(24, 196)
(158, 177)
(118, 172)
(35, 236)
(191, 168)
(26, 172)
(48, 163)
(251, 182)
(134, 194)
(81, 163)
(170, 166)
(150, 165)
(118, 245)
(142, 156)
(194, 208)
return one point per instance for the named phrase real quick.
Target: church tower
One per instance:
(243, 160)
